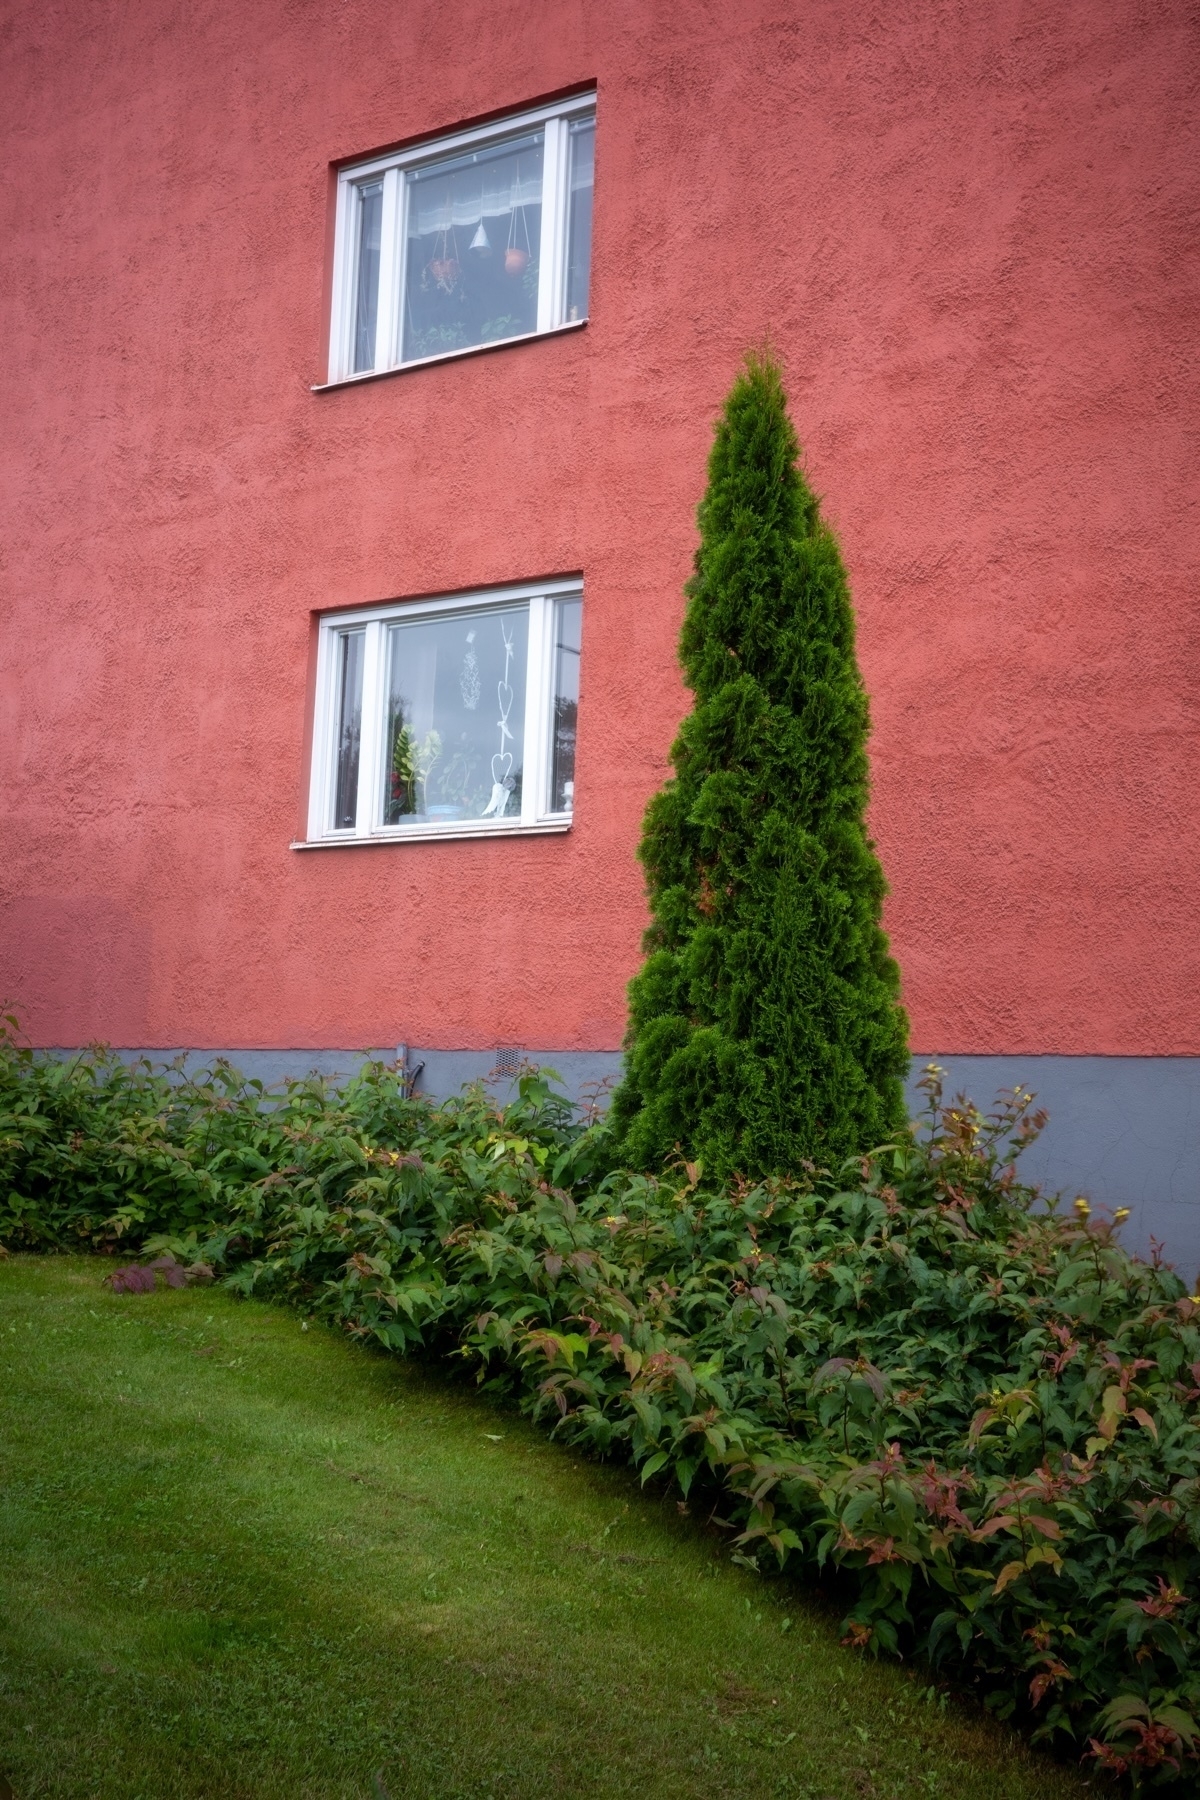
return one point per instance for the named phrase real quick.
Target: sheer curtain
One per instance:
(466, 193)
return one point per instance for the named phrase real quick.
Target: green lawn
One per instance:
(238, 1558)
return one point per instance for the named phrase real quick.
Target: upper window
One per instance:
(447, 717)
(477, 238)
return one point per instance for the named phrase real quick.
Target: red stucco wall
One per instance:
(972, 234)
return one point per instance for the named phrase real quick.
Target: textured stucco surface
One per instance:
(972, 234)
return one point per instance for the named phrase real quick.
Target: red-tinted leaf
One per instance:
(1053, 1672)
(1008, 1573)
(1006, 1522)
(979, 1423)
(132, 1280)
(1107, 1757)
(874, 1380)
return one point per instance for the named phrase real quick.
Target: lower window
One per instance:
(452, 717)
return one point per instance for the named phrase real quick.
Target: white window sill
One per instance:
(424, 834)
(423, 362)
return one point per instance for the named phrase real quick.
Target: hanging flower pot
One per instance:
(444, 266)
(516, 258)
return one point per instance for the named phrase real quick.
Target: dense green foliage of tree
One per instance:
(764, 1024)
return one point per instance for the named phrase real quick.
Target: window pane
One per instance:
(349, 731)
(579, 228)
(456, 717)
(566, 705)
(366, 299)
(474, 227)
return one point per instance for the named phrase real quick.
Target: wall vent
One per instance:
(509, 1060)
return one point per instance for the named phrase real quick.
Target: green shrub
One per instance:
(764, 1027)
(980, 1418)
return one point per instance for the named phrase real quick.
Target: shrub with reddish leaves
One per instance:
(139, 1278)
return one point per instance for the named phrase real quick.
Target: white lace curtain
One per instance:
(465, 197)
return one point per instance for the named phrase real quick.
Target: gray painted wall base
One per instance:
(445, 1072)
(1125, 1130)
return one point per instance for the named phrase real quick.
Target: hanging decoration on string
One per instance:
(516, 259)
(468, 680)
(481, 243)
(443, 267)
(503, 779)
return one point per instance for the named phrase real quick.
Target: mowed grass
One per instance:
(241, 1558)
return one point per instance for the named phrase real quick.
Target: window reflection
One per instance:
(579, 225)
(456, 717)
(474, 233)
(366, 300)
(349, 730)
(567, 615)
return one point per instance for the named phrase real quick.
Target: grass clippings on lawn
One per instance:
(241, 1558)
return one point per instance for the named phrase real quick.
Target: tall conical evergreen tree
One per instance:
(764, 1024)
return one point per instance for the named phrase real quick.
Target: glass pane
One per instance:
(366, 297)
(349, 730)
(579, 226)
(474, 229)
(567, 616)
(456, 717)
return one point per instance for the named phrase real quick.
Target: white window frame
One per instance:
(552, 249)
(535, 815)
